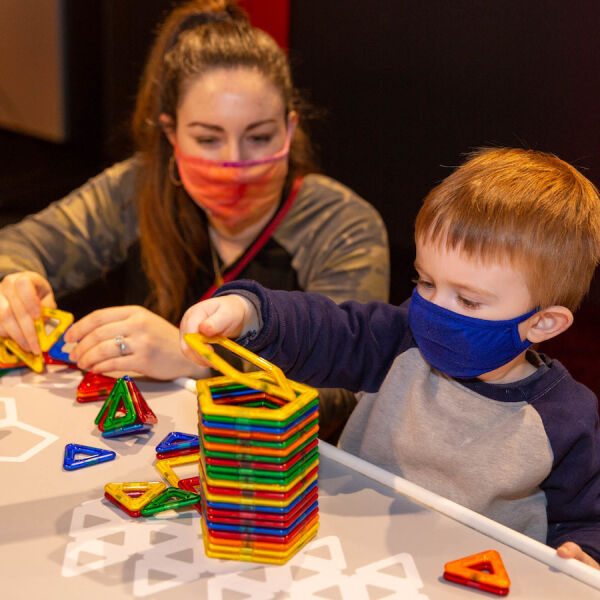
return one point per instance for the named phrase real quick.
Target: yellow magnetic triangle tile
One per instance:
(7, 358)
(120, 492)
(279, 387)
(33, 361)
(51, 325)
(165, 466)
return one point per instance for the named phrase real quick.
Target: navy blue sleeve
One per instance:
(569, 412)
(315, 341)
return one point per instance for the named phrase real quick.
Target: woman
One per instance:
(219, 189)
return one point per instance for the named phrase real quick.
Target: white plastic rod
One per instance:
(464, 515)
(187, 383)
(455, 511)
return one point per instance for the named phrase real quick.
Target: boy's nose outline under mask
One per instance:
(461, 346)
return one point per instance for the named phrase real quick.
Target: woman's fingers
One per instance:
(129, 338)
(18, 325)
(95, 320)
(105, 334)
(21, 298)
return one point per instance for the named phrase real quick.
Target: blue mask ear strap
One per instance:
(519, 343)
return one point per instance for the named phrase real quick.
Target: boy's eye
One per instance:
(422, 283)
(468, 303)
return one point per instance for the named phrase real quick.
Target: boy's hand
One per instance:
(572, 550)
(229, 316)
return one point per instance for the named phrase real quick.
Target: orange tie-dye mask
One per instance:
(233, 192)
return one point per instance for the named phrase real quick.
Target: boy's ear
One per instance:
(168, 126)
(547, 323)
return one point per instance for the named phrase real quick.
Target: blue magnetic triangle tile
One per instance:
(178, 441)
(93, 456)
(128, 430)
(56, 352)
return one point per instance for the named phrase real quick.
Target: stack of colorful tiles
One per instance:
(259, 459)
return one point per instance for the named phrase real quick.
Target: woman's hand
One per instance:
(130, 339)
(228, 316)
(572, 550)
(22, 296)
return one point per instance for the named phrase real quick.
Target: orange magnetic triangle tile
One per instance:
(47, 331)
(127, 494)
(484, 571)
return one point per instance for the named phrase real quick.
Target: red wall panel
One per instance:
(271, 15)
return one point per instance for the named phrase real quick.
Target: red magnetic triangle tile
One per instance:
(141, 406)
(94, 386)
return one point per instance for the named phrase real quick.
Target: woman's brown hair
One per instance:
(196, 37)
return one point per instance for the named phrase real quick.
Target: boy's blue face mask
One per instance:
(462, 346)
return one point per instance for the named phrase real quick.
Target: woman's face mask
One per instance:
(235, 192)
(224, 116)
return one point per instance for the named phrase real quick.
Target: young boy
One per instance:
(454, 398)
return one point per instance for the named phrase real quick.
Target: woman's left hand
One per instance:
(130, 339)
(573, 550)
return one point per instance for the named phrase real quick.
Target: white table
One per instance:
(59, 537)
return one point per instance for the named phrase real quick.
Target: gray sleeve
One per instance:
(76, 239)
(338, 243)
(340, 249)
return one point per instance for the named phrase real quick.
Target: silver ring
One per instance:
(120, 342)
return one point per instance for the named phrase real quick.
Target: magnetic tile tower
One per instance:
(259, 459)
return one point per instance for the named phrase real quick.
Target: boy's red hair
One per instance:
(529, 207)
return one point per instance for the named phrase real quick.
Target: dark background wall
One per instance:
(404, 88)
(412, 85)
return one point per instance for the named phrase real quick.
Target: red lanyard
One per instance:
(260, 241)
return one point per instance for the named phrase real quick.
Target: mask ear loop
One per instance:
(173, 172)
(280, 387)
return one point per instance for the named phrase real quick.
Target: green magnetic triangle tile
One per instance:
(119, 398)
(109, 400)
(171, 498)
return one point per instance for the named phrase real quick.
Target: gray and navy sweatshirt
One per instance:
(526, 454)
